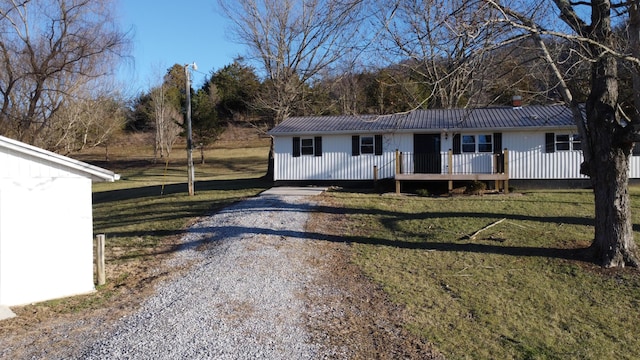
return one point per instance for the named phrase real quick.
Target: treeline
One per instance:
(323, 58)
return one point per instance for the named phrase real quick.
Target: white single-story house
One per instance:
(46, 224)
(495, 143)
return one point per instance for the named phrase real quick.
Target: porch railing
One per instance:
(449, 167)
(449, 163)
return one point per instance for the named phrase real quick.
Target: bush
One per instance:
(476, 188)
(423, 192)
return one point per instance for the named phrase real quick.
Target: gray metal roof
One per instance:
(495, 118)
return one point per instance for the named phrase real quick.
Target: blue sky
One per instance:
(166, 32)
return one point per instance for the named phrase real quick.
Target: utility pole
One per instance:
(190, 169)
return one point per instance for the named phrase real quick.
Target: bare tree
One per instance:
(167, 119)
(85, 122)
(293, 41)
(49, 51)
(441, 44)
(608, 135)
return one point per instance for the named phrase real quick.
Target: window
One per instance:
(307, 146)
(468, 143)
(566, 142)
(366, 145)
(485, 143)
(575, 142)
(562, 142)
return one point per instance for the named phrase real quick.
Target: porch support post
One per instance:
(506, 171)
(397, 171)
(496, 170)
(450, 169)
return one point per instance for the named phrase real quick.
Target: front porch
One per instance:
(453, 167)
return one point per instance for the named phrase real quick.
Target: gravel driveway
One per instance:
(250, 283)
(242, 297)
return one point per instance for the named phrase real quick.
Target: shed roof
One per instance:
(94, 172)
(452, 120)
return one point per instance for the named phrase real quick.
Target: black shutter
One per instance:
(317, 143)
(497, 143)
(549, 142)
(355, 145)
(378, 145)
(457, 145)
(636, 149)
(296, 146)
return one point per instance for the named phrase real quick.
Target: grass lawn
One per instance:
(517, 291)
(146, 212)
(520, 290)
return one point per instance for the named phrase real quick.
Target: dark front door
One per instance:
(426, 153)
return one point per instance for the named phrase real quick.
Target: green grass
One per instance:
(520, 290)
(151, 202)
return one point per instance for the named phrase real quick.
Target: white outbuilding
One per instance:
(46, 224)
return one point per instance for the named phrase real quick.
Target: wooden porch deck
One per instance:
(501, 178)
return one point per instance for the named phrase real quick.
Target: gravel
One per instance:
(242, 296)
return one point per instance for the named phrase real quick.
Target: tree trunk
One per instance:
(613, 244)
(609, 161)
(271, 171)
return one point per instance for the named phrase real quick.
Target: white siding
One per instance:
(46, 227)
(46, 245)
(336, 162)
(634, 167)
(528, 160)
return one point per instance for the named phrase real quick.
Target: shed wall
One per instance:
(46, 231)
(16, 165)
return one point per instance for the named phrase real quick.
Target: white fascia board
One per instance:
(94, 172)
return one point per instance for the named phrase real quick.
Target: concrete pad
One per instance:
(294, 191)
(6, 313)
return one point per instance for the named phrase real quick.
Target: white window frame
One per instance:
(466, 145)
(569, 142)
(488, 146)
(367, 145)
(304, 149)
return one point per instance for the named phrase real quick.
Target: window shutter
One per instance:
(549, 142)
(378, 145)
(457, 145)
(636, 149)
(317, 143)
(497, 143)
(296, 147)
(355, 145)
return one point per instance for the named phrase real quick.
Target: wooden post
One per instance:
(398, 170)
(496, 170)
(102, 278)
(506, 171)
(450, 168)
(375, 177)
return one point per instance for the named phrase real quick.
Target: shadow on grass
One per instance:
(215, 233)
(170, 189)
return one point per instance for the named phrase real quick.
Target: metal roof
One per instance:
(494, 118)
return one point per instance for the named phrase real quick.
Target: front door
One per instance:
(426, 154)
